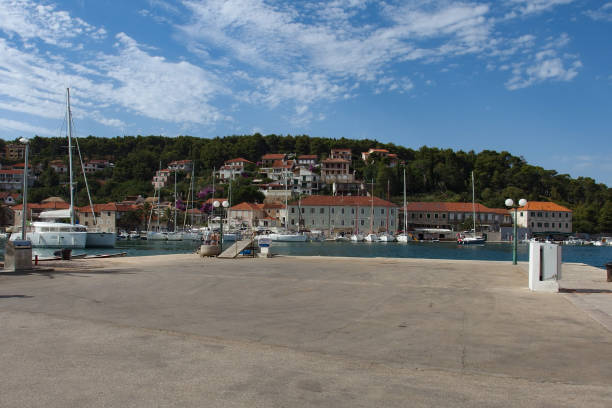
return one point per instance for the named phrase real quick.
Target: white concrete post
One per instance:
(544, 267)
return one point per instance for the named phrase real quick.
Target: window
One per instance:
(436, 216)
(313, 221)
(428, 215)
(108, 213)
(303, 210)
(352, 211)
(342, 222)
(533, 214)
(342, 210)
(539, 214)
(312, 211)
(292, 222)
(292, 210)
(539, 225)
(333, 222)
(333, 210)
(566, 225)
(451, 216)
(382, 211)
(362, 211)
(532, 224)
(443, 215)
(566, 215)
(352, 222)
(382, 223)
(421, 215)
(546, 215)
(322, 210)
(546, 225)
(521, 213)
(413, 215)
(361, 222)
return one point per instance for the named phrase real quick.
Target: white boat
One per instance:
(191, 236)
(403, 237)
(3, 235)
(357, 237)
(371, 238)
(157, 236)
(474, 239)
(341, 238)
(98, 239)
(174, 236)
(386, 238)
(54, 235)
(133, 235)
(287, 237)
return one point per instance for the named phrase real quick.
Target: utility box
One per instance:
(544, 267)
(18, 256)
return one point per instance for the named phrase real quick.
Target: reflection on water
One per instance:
(591, 255)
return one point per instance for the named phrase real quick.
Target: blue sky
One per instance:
(533, 77)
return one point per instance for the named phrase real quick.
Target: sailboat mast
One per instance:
(405, 207)
(473, 203)
(70, 155)
(372, 210)
(175, 202)
(158, 200)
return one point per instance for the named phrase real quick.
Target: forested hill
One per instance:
(432, 173)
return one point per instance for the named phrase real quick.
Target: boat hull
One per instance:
(72, 240)
(100, 240)
(288, 237)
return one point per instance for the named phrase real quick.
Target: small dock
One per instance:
(236, 248)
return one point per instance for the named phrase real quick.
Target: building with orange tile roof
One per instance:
(393, 160)
(246, 214)
(343, 214)
(449, 216)
(545, 218)
(232, 168)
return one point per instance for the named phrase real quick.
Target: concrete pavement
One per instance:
(181, 331)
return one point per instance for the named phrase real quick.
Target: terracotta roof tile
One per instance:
(273, 156)
(318, 200)
(544, 206)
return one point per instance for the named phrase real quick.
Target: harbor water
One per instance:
(590, 255)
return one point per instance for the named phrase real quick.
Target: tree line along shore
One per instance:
(432, 174)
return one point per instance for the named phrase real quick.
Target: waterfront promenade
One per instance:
(178, 331)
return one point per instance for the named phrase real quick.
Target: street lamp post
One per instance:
(24, 213)
(224, 205)
(510, 203)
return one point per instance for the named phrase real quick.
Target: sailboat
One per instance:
(474, 239)
(156, 235)
(403, 237)
(357, 237)
(191, 234)
(52, 234)
(371, 237)
(174, 235)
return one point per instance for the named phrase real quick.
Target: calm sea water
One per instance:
(590, 255)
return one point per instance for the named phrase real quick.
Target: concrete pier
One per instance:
(182, 331)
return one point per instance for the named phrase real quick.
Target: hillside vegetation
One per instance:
(432, 173)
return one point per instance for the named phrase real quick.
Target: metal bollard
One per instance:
(609, 270)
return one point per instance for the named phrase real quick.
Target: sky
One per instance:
(532, 77)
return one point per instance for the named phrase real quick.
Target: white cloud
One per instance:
(30, 20)
(604, 13)
(536, 6)
(547, 66)
(154, 87)
(24, 129)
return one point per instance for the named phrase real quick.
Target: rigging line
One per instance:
(76, 139)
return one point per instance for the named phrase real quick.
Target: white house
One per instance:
(545, 218)
(343, 214)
